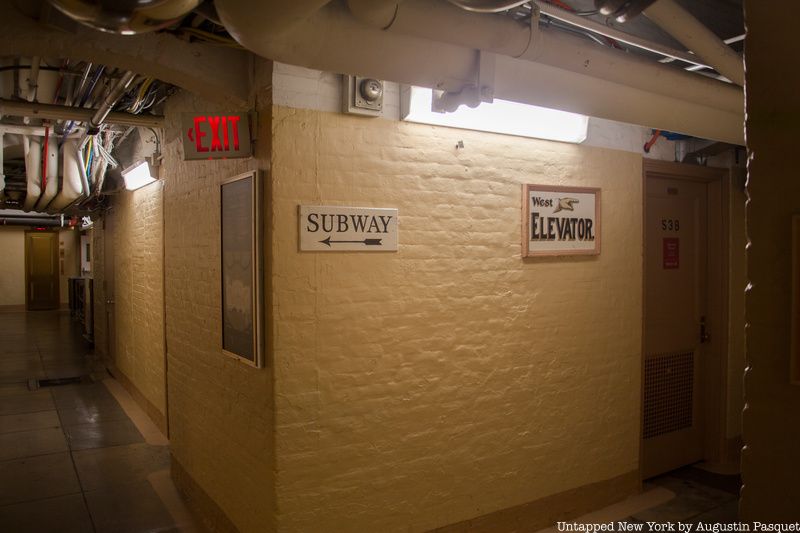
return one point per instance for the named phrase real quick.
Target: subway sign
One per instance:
(215, 136)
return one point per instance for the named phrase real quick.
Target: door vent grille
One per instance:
(668, 386)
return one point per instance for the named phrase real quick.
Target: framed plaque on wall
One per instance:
(241, 253)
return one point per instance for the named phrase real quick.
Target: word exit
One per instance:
(215, 136)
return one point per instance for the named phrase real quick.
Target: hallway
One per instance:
(76, 457)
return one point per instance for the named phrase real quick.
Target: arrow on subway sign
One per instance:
(366, 242)
(347, 229)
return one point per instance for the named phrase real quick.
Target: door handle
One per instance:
(109, 302)
(704, 336)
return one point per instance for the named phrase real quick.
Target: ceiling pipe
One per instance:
(111, 99)
(506, 36)
(59, 112)
(47, 222)
(487, 6)
(561, 71)
(377, 13)
(283, 15)
(607, 31)
(113, 96)
(36, 131)
(698, 38)
(422, 18)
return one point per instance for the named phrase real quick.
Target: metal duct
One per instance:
(562, 71)
(698, 38)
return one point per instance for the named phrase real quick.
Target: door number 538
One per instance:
(670, 224)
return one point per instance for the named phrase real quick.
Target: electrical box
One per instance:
(362, 96)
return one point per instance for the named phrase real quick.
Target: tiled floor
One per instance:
(71, 459)
(700, 496)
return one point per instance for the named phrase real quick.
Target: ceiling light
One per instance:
(138, 175)
(501, 116)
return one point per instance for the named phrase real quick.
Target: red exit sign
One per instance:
(215, 135)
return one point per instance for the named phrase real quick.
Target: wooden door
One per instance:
(676, 301)
(41, 270)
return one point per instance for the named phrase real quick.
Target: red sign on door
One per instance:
(215, 136)
(672, 255)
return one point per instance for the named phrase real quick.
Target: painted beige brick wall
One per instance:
(451, 379)
(139, 291)
(12, 266)
(221, 410)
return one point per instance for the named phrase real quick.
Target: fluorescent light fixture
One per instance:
(137, 176)
(501, 116)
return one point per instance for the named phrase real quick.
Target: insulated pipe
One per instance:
(333, 40)
(377, 13)
(285, 15)
(20, 216)
(698, 38)
(59, 112)
(33, 170)
(47, 222)
(36, 131)
(50, 187)
(422, 18)
(503, 35)
(33, 78)
(72, 179)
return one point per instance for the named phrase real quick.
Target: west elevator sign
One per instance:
(215, 135)
(560, 220)
(347, 229)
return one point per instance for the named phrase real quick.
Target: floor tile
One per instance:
(102, 434)
(727, 513)
(64, 514)
(692, 498)
(66, 370)
(11, 358)
(90, 414)
(28, 402)
(131, 508)
(13, 389)
(34, 478)
(30, 443)
(19, 372)
(17, 346)
(29, 421)
(82, 395)
(118, 465)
